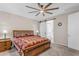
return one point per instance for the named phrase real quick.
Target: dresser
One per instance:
(5, 44)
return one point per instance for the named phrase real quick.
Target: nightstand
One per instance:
(5, 44)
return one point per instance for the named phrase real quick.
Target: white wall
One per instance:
(60, 32)
(11, 22)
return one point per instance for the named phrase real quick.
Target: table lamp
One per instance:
(37, 32)
(4, 34)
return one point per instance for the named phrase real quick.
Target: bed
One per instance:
(28, 44)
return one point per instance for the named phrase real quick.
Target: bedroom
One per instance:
(54, 25)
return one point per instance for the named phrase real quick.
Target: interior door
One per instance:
(73, 31)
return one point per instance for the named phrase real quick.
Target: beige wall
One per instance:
(11, 22)
(60, 32)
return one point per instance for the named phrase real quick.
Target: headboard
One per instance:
(22, 32)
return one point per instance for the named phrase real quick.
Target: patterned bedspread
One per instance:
(24, 42)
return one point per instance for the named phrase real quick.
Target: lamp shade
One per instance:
(37, 31)
(5, 31)
(4, 34)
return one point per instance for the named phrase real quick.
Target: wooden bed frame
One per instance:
(33, 50)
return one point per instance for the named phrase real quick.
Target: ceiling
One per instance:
(21, 10)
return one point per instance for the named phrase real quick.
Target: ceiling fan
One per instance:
(43, 9)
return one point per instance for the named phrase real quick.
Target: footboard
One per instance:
(33, 51)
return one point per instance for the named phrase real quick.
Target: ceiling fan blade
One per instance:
(47, 5)
(40, 6)
(37, 14)
(32, 11)
(49, 12)
(52, 9)
(32, 7)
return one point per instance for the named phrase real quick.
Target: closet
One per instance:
(73, 31)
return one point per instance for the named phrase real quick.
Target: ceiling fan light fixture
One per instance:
(41, 11)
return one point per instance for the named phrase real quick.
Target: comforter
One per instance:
(24, 42)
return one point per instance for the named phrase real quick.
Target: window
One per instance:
(46, 29)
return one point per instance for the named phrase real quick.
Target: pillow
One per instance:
(19, 36)
(26, 35)
(16, 37)
(30, 34)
